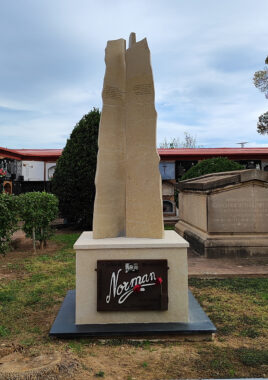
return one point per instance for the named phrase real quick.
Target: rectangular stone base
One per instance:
(172, 248)
(223, 245)
(199, 326)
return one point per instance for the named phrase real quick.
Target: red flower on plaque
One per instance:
(158, 281)
(137, 288)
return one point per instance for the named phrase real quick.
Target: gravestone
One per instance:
(131, 276)
(225, 214)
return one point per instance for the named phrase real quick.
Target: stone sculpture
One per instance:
(128, 185)
(131, 279)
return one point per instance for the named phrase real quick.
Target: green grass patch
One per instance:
(237, 306)
(252, 357)
(169, 227)
(249, 286)
(218, 361)
(47, 279)
(4, 331)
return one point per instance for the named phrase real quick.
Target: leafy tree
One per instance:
(189, 142)
(212, 165)
(73, 180)
(8, 220)
(260, 80)
(38, 210)
(262, 125)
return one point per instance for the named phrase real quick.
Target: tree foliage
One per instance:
(260, 81)
(262, 125)
(188, 142)
(212, 165)
(73, 180)
(38, 210)
(8, 220)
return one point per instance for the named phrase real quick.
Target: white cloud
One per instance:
(204, 55)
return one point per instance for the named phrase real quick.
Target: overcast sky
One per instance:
(204, 55)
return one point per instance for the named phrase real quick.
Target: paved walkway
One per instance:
(199, 266)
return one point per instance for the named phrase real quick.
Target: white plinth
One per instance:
(88, 250)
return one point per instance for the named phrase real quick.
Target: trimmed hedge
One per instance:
(9, 216)
(73, 180)
(212, 165)
(36, 209)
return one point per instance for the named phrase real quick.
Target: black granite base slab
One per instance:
(64, 325)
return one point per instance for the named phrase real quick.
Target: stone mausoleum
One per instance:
(225, 214)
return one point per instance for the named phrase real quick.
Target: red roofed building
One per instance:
(39, 164)
(29, 164)
(175, 162)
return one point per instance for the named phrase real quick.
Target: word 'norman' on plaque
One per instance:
(126, 285)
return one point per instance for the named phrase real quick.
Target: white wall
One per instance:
(34, 170)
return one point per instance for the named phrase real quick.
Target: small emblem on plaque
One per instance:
(131, 267)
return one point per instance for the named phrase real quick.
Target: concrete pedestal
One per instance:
(172, 247)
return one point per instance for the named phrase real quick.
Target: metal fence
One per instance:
(20, 187)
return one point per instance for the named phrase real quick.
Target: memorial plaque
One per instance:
(126, 285)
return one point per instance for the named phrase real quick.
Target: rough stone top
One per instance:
(171, 240)
(215, 180)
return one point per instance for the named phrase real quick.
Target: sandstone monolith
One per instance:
(128, 185)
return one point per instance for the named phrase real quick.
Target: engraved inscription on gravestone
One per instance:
(124, 285)
(112, 92)
(143, 89)
(245, 209)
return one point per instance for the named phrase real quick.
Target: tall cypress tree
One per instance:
(73, 180)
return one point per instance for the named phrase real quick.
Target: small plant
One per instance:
(76, 347)
(250, 332)
(4, 331)
(38, 210)
(144, 364)
(99, 374)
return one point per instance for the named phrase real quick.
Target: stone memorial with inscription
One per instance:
(225, 214)
(131, 275)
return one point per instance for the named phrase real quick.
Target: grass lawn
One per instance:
(33, 287)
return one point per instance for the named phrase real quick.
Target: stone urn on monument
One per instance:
(131, 275)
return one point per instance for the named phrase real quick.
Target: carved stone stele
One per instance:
(128, 184)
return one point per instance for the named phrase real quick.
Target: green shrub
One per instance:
(8, 220)
(38, 210)
(212, 165)
(73, 180)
